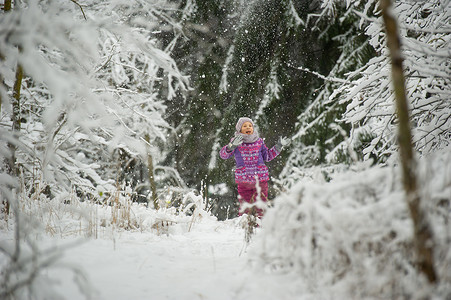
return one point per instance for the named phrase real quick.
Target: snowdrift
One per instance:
(352, 237)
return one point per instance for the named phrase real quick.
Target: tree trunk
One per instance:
(7, 5)
(15, 119)
(153, 186)
(2, 84)
(11, 162)
(423, 238)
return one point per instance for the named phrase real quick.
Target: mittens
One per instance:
(283, 143)
(236, 141)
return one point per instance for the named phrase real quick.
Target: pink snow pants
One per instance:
(247, 192)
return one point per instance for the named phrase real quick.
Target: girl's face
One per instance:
(247, 128)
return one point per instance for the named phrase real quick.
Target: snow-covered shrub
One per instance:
(353, 237)
(24, 271)
(25, 260)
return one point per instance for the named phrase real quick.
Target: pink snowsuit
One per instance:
(250, 164)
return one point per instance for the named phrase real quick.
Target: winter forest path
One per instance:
(204, 263)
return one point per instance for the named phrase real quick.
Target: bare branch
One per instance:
(81, 8)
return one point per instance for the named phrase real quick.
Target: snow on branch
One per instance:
(427, 58)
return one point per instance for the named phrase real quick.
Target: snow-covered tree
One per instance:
(425, 39)
(321, 138)
(356, 103)
(87, 80)
(93, 80)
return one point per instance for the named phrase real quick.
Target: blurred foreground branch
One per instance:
(423, 239)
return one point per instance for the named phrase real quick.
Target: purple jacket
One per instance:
(250, 160)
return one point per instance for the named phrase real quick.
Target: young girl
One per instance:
(250, 154)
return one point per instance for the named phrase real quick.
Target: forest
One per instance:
(113, 114)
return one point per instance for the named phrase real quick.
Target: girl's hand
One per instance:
(238, 140)
(283, 143)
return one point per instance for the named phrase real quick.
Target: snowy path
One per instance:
(202, 264)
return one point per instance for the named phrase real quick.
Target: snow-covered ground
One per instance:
(83, 250)
(208, 262)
